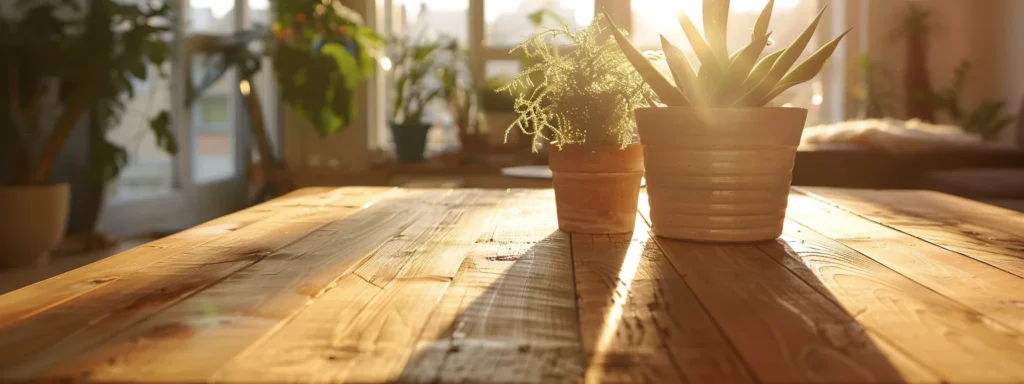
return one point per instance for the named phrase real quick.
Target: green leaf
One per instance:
(761, 25)
(158, 52)
(806, 70)
(716, 27)
(758, 74)
(686, 80)
(669, 94)
(739, 69)
(709, 62)
(782, 65)
(160, 125)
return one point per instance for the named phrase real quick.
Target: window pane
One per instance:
(430, 19)
(213, 113)
(789, 18)
(150, 171)
(509, 21)
(265, 86)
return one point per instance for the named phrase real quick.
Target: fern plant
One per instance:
(727, 80)
(586, 96)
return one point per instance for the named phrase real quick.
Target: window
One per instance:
(505, 23)
(509, 22)
(213, 114)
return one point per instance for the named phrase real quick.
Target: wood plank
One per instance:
(797, 335)
(979, 286)
(957, 343)
(639, 321)
(509, 315)
(371, 344)
(65, 330)
(783, 328)
(33, 299)
(942, 206)
(218, 323)
(931, 220)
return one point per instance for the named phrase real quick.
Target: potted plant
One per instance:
(88, 58)
(584, 107)
(417, 85)
(719, 163)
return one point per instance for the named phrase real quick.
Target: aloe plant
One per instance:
(723, 79)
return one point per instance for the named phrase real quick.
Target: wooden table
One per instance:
(434, 285)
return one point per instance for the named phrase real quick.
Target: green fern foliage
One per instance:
(588, 92)
(728, 80)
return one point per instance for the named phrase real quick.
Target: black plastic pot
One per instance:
(410, 141)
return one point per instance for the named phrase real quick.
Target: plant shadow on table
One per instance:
(508, 316)
(511, 315)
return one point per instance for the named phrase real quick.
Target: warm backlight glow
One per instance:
(244, 87)
(385, 63)
(627, 272)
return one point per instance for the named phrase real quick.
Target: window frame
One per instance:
(841, 15)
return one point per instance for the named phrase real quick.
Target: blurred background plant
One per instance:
(986, 119)
(89, 55)
(914, 28)
(324, 51)
(869, 89)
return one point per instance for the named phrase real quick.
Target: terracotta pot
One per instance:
(719, 175)
(596, 188)
(32, 222)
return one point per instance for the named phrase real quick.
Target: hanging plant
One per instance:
(323, 52)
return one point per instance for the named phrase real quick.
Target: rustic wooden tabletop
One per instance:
(436, 285)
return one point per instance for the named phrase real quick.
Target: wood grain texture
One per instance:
(395, 290)
(510, 314)
(72, 327)
(979, 286)
(33, 299)
(216, 324)
(639, 321)
(988, 237)
(943, 335)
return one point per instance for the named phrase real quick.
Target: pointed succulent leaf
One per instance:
(758, 74)
(806, 70)
(716, 26)
(761, 25)
(782, 65)
(709, 63)
(686, 81)
(740, 68)
(668, 93)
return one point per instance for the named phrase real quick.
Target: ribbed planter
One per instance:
(32, 222)
(719, 175)
(596, 188)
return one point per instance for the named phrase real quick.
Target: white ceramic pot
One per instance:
(33, 220)
(719, 175)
